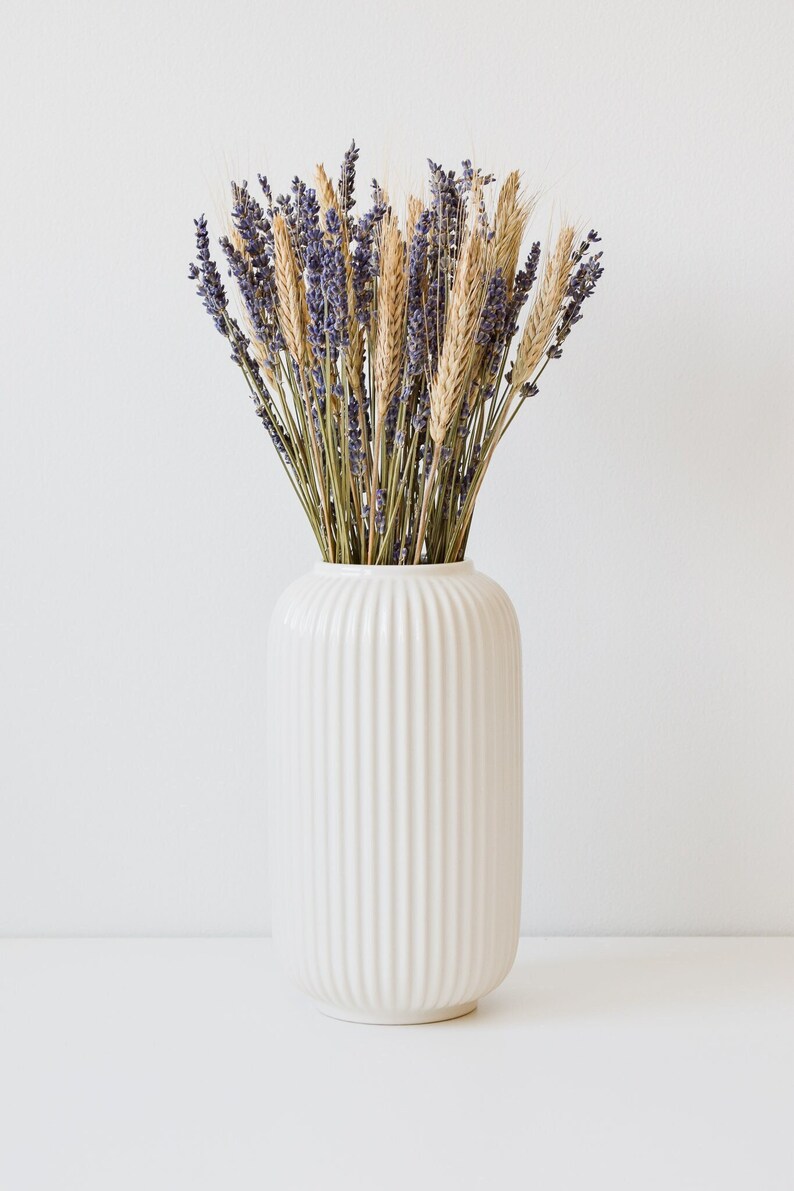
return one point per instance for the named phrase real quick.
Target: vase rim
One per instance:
(383, 571)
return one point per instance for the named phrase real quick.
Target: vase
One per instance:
(395, 783)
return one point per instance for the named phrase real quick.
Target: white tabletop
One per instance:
(600, 1063)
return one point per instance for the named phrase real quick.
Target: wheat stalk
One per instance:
(546, 308)
(454, 366)
(538, 331)
(328, 199)
(414, 208)
(289, 290)
(391, 313)
(389, 337)
(468, 290)
(510, 224)
(293, 318)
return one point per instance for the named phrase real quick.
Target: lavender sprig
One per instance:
(334, 281)
(347, 181)
(210, 287)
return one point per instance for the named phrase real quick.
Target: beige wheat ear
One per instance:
(354, 353)
(289, 290)
(389, 336)
(294, 318)
(327, 198)
(545, 312)
(391, 313)
(414, 209)
(510, 225)
(465, 306)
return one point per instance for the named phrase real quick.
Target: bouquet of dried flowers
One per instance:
(379, 353)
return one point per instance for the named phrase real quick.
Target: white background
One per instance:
(640, 515)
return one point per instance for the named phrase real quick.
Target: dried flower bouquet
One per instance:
(379, 353)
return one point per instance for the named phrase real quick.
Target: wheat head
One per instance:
(289, 290)
(468, 290)
(510, 224)
(391, 313)
(545, 312)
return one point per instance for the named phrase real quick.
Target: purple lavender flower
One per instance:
(305, 204)
(281, 440)
(416, 341)
(446, 209)
(463, 418)
(444, 190)
(419, 419)
(380, 510)
(318, 376)
(347, 181)
(334, 282)
(399, 551)
(242, 270)
(267, 192)
(355, 449)
(493, 330)
(314, 254)
(468, 476)
(524, 280)
(253, 269)
(288, 205)
(210, 288)
(390, 423)
(436, 317)
(363, 262)
(257, 236)
(417, 264)
(468, 174)
(494, 312)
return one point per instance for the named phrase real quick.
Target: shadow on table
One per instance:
(567, 979)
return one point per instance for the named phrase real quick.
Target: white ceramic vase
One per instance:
(395, 788)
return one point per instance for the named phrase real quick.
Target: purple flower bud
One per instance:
(347, 181)
(525, 279)
(210, 288)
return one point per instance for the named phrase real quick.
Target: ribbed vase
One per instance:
(395, 786)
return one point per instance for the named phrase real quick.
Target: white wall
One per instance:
(640, 515)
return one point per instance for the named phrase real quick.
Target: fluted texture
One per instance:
(395, 786)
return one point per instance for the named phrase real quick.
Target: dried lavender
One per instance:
(314, 258)
(525, 279)
(347, 181)
(374, 481)
(494, 312)
(380, 510)
(417, 345)
(210, 287)
(334, 283)
(364, 262)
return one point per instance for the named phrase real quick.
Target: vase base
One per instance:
(411, 1018)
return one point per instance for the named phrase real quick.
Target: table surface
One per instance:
(600, 1063)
